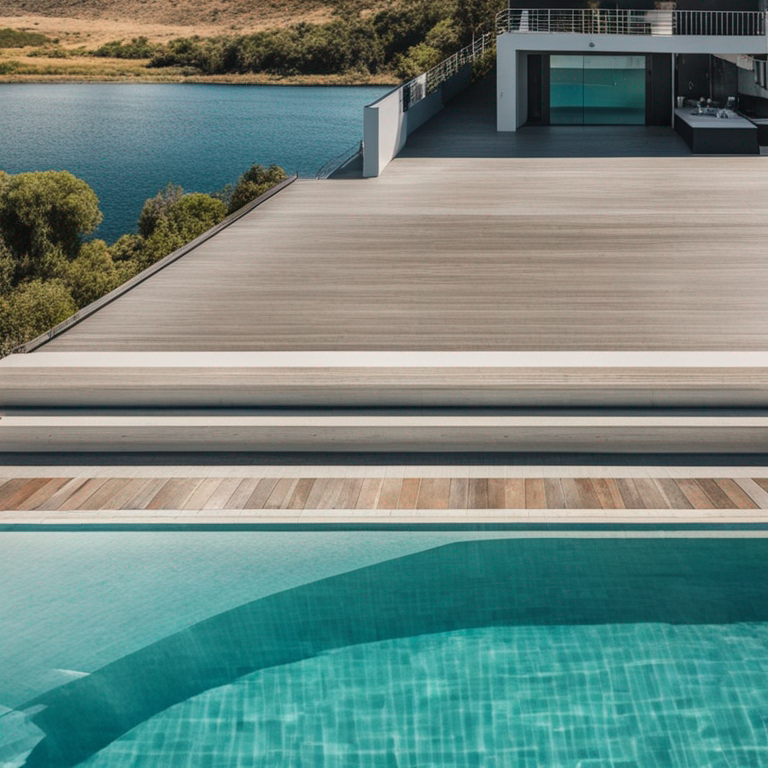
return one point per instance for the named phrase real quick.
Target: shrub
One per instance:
(419, 59)
(138, 48)
(254, 182)
(43, 217)
(157, 207)
(92, 274)
(16, 38)
(31, 309)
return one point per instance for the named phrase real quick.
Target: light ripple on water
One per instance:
(628, 695)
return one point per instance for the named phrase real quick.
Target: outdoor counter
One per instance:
(710, 135)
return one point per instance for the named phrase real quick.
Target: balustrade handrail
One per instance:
(333, 165)
(421, 86)
(631, 22)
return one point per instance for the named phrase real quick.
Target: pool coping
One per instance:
(641, 522)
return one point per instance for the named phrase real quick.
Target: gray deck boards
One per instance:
(545, 240)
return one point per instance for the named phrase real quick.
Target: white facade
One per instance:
(513, 49)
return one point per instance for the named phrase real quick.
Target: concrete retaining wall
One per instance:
(386, 127)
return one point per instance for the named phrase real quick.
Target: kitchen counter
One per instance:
(711, 135)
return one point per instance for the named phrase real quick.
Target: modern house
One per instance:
(631, 64)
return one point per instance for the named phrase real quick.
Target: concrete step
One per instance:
(386, 430)
(384, 379)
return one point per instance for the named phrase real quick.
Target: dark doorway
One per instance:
(535, 89)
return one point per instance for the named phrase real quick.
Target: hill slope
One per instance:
(93, 22)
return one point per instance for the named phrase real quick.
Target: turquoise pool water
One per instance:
(358, 649)
(128, 141)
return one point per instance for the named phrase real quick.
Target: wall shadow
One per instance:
(457, 586)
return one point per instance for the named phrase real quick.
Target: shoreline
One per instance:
(252, 80)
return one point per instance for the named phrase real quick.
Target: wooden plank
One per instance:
(650, 494)
(43, 493)
(60, 496)
(281, 494)
(330, 491)
(409, 493)
(459, 498)
(672, 492)
(434, 493)
(553, 492)
(736, 493)
(202, 493)
(25, 489)
(535, 493)
(695, 494)
(128, 491)
(301, 493)
(145, 493)
(174, 493)
(496, 493)
(243, 492)
(572, 493)
(755, 491)
(514, 493)
(350, 490)
(629, 493)
(478, 493)
(390, 493)
(89, 487)
(103, 498)
(219, 499)
(607, 493)
(261, 493)
(716, 494)
(369, 493)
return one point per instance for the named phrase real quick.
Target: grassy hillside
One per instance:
(97, 19)
(356, 40)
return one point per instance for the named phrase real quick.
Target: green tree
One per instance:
(157, 208)
(43, 217)
(7, 269)
(254, 182)
(474, 17)
(92, 274)
(416, 61)
(31, 309)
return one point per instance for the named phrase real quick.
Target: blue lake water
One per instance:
(128, 141)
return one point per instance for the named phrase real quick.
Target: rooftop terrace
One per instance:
(548, 239)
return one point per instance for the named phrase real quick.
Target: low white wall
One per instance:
(386, 127)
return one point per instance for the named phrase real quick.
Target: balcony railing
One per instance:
(588, 21)
(420, 87)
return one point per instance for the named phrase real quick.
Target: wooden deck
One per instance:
(388, 495)
(474, 240)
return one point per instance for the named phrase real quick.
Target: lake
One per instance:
(128, 140)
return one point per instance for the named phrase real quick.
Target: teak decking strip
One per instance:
(408, 493)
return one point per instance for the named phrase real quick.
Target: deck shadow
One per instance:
(466, 127)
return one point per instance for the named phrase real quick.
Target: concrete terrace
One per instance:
(569, 239)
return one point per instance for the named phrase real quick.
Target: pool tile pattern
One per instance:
(611, 696)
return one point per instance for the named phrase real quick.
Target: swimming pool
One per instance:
(382, 648)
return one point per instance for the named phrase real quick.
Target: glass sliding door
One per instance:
(566, 90)
(597, 90)
(614, 90)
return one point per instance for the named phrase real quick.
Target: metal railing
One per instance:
(711, 23)
(420, 87)
(328, 169)
(589, 21)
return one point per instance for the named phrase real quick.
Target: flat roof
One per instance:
(471, 240)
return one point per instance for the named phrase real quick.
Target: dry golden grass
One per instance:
(94, 22)
(36, 69)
